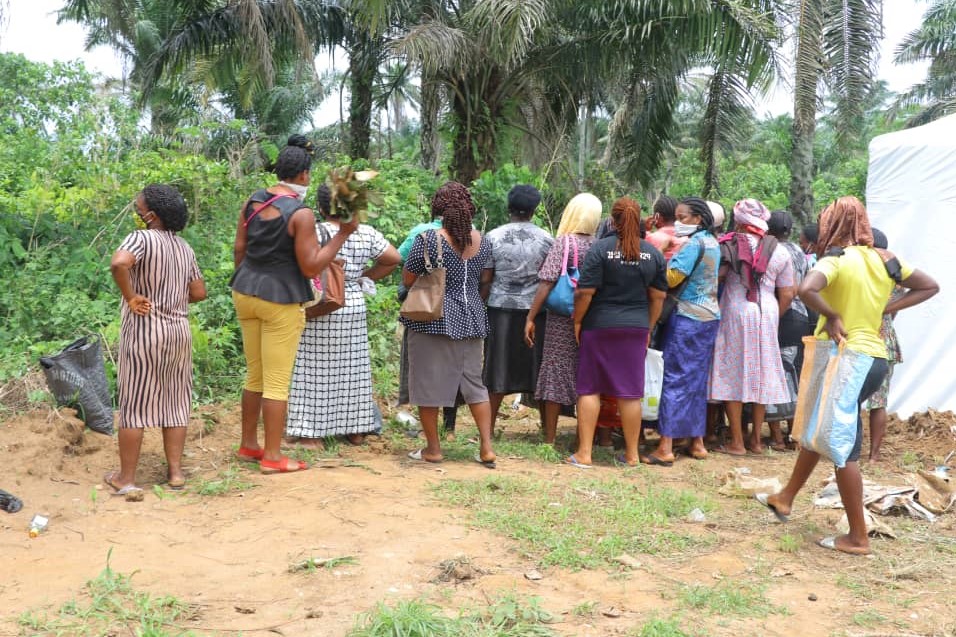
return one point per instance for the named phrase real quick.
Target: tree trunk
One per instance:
(363, 64)
(807, 70)
(476, 137)
(430, 109)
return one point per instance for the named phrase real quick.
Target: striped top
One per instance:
(155, 351)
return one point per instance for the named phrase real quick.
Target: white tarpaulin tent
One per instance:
(911, 196)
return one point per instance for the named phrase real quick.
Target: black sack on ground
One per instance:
(77, 378)
(9, 502)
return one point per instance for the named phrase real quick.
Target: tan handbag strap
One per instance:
(439, 251)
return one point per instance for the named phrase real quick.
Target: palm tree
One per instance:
(934, 40)
(837, 44)
(533, 64)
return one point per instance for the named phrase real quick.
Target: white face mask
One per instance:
(684, 229)
(299, 190)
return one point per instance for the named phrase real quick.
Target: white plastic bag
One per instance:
(653, 384)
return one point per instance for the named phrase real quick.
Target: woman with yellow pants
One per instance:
(276, 253)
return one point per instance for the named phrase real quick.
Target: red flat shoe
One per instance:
(282, 465)
(249, 455)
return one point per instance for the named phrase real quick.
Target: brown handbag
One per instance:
(328, 288)
(426, 298)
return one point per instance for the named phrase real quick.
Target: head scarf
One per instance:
(581, 216)
(844, 223)
(719, 215)
(752, 215)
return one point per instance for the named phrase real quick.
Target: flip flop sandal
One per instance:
(246, 454)
(687, 451)
(622, 459)
(571, 460)
(282, 465)
(654, 460)
(129, 488)
(176, 485)
(487, 464)
(418, 456)
(830, 543)
(762, 499)
(723, 450)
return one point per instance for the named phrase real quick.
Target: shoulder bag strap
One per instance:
(564, 260)
(570, 239)
(440, 250)
(268, 202)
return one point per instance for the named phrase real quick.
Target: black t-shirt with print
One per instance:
(621, 296)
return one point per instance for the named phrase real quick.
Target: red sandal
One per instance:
(249, 455)
(282, 465)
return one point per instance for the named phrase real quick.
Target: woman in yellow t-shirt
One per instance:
(849, 287)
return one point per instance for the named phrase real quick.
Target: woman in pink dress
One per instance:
(758, 288)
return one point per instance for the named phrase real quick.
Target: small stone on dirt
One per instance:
(780, 571)
(135, 496)
(611, 612)
(628, 560)
(534, 575)
(245, 610)
(812, 597)
(313, 614)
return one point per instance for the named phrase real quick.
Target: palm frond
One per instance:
(727, 115)
(507, 29)
(850, 38)
(436, 46)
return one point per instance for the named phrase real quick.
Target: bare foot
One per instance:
(356, 439)
(757, 449)
(730, 451)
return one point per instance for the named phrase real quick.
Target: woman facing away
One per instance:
(276, 253)
(445, 355)
(758, 288)
(689, 334)
(518, 248)
(619, 296)
(332, 378)
(157, 274)
(849, 287)
(557, 377)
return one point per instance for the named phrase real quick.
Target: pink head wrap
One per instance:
(750, 212)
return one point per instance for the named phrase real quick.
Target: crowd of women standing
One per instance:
(566, 319)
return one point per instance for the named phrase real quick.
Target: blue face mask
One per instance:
(684, 229)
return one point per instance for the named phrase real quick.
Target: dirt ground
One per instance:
(230, 555)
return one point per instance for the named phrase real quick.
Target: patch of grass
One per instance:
(331, 448)
(114, 607)
(228, 481)
(508, 616)
(868, 618)
(585, 609)
(314, 563)
(729, 597)
(910, 461)
(661, 628)
(855, 585)
(790, 543)
(584, 525)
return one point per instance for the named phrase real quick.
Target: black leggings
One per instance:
(871, 383)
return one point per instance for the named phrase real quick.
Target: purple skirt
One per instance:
(688, 350)
(611, 362)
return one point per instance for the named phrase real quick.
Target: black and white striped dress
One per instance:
(332, 382)
(155, 351)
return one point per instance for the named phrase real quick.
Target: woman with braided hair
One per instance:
(619, 296)
(445, 355)
(689, 334)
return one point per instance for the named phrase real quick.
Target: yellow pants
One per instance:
(270, 340)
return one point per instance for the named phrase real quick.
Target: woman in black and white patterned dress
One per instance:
(332, 382)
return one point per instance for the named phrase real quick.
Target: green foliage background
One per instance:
(73, 155)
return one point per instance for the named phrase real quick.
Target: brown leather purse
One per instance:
(328, 288)
(426, 298)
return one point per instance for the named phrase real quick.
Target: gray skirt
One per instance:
(439, 367)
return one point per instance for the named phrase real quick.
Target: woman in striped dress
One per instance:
(157, 274)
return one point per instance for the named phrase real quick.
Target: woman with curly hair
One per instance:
(445, 355)
(157, 274)
(619, 296)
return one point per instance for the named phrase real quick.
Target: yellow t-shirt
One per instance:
(858, 289)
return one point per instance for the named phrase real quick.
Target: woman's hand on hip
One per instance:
(834, 328)
(140, 305)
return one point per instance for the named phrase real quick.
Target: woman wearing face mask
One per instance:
(689, 334)
(276, 252)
